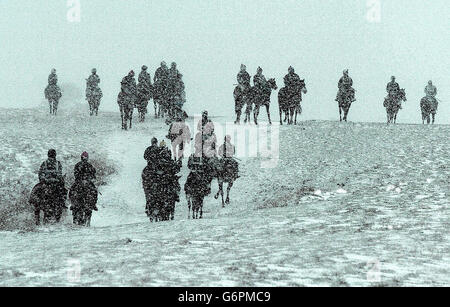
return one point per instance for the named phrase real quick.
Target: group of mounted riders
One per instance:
(253, 97)
(160, 179)
(290, 97)
(50, 194)
(168, 93)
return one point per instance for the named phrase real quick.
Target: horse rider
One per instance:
(144, 86)
(84, 172)
(227, 150)
(179, 135)
(431, 92)
(93, 80)
(173, 71)
(53, 78)
(176, 85)
(144, 78)
(205, 120)
(151, 154)
(259, 80)
(292, 81)
(161, 75)
(226, 153)
(345, 85)
(128, 86)
(205, 139)
(50, 171)
(243, 78)
(392, 88)
(164, 152)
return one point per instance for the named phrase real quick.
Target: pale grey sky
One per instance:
(209, 39)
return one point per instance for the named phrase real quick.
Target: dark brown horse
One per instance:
(289, 102)
(428, 107)
(53, 95)
(263, 99)
(49, 198)
(393, 105)
(344, 103)
(227, 171)
(83, 196)
(126, 106)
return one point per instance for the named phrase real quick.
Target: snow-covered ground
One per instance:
(348, 205)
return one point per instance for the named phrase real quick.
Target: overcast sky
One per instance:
(209, 39)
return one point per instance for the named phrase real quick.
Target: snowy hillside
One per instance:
(345, 203)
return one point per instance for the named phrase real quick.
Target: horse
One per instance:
(161, 189)
(93, 96)
(428, 106)
(283, 104)
(144, 95)
(49, 198)
(240, 95)
(393, 104)
(53, 94)
(344, 103)
(83, 195)
(198, 185)
(126, 106)
(227, 172)
(263, 98)
(289, 102)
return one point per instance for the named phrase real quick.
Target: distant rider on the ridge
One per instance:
(393, 88)
(243, 78)
(345, 86)
(53, 78)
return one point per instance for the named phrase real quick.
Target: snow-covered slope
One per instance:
(348, 204)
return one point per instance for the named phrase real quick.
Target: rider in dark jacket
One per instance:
(291, 79)
(243, 78)
(51, 177)
(259, 80)
(53, 78)
(93, 80)
(51, 170)
(151, 154)
(84, 170)
(129, 87)
(161, 74)
(345, 85)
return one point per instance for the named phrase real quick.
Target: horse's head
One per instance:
(272, 83)
(302, 85)
(403, 94)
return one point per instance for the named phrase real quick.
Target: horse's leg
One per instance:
(218, 192)
(88, 218)
(281, 116)
(255, 114)
(434, 117)
(268, 113)
(201, 207)
(37, 216)
(230, 185)
(221, 191)
(296, 113)
(189, 206)
(340, 113)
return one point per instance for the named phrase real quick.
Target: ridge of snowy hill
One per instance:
(345, 202)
